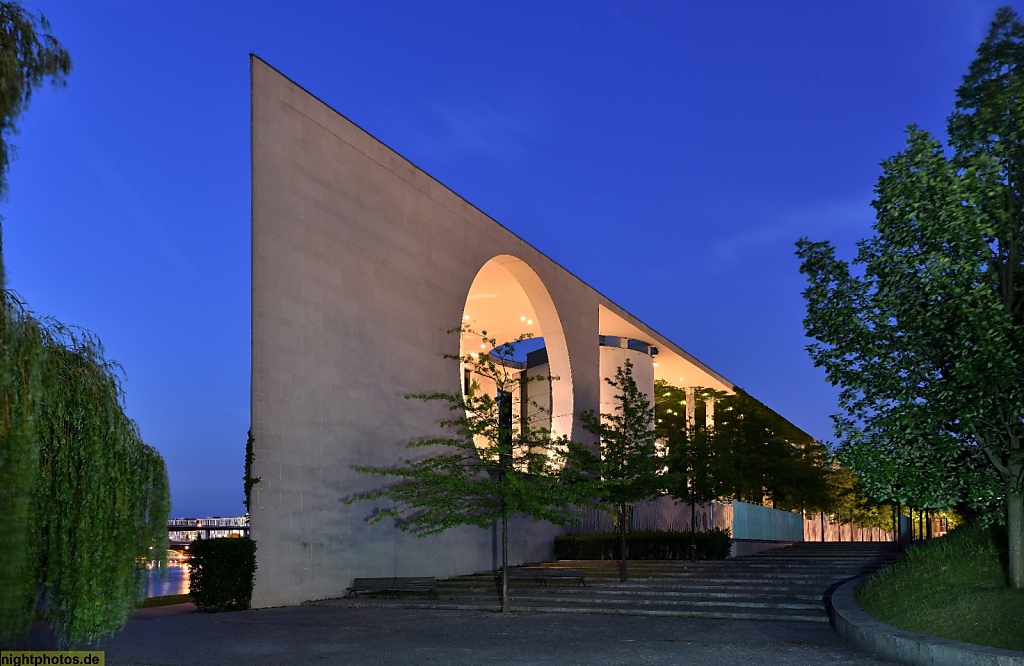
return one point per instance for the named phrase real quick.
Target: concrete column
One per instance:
(691, 408)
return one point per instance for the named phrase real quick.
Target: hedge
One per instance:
(222, 572)
(711, 545)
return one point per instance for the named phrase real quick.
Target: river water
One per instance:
(173, 580)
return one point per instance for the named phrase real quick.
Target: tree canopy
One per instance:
(82, 497)
(699, 469)
(29, 55)
(747, 453)
(924, 332)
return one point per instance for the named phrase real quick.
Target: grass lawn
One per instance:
(954, 587)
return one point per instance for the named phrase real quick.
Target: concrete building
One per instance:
(361, 263)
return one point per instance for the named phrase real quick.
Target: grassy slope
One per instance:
(954, 587)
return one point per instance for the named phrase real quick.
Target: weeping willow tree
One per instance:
(21, 369)
(83, 500)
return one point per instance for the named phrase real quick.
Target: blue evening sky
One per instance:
(667, 153)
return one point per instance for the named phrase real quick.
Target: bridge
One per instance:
(182, 531)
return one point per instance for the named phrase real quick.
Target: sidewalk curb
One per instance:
(874, 636)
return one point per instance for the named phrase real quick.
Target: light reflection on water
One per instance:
(173, 580)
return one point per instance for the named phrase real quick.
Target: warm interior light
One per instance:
(529, 321)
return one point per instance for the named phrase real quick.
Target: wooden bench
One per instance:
(541, 575)
(394, 585)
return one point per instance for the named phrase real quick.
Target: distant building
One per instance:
(183, 530)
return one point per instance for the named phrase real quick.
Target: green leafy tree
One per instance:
(772, 460)
(926, 337)
(804, 479)
(626, 467)
(29, 55)
(93, 498)
(22, 362)
(485, 470)
(849, 503)
(698, 470)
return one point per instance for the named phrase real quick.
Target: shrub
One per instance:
(711, 545)
(222, 571)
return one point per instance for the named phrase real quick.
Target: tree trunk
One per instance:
(504, 560)
(1015, 532)
(822, 514)
(504, 400)
(622, 541)
(693, 528)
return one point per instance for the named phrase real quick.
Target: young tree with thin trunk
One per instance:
(698, 470)
(485, 469)
(926, 336)
(626, 468)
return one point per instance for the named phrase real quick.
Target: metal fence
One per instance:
(661, 514)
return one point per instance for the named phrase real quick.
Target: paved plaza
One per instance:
(352, 636)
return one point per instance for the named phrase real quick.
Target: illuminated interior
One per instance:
(671, 363)
(507, 299)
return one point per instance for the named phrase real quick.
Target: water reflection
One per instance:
(173, 580)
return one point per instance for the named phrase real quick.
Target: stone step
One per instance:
(721, 591)
(784, 584)
(710, 613)
(707, 579)
(646, 602)
(650, 601)
(752, 562)
(734, 565)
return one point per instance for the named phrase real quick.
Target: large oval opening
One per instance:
(508, 299)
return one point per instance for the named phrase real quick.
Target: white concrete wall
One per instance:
(360, 264)
(750, 521)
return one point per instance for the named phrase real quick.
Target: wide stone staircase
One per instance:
(792, 583)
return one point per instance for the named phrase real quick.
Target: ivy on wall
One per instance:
(248, 480)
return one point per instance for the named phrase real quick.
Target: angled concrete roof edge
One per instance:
(620, 310)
